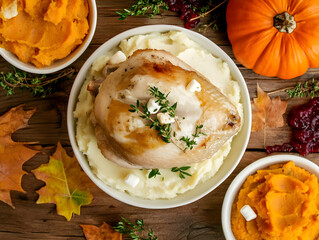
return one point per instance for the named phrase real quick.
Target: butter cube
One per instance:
(117, 58)
(10, 11)
(132, 180)
(193, 86)
(248, 213)
(152, 106)
(165, 118)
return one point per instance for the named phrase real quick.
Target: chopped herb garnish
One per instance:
(133, 231)
(153, 173)
(182, 171)
(191, 142)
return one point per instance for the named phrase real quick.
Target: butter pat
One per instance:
(165, 118)
(10, 11)
(248, 213)
(117, 58)
(194, 86)
(132, 180)
(152, 106)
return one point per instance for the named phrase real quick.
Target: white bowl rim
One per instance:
(124, 197)
(61, 63)
(252, 168)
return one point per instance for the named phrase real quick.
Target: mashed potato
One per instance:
(168, 184)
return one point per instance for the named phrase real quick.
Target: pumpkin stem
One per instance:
(284, 22)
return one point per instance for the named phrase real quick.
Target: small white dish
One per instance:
(239, 143)
(239, 180)
(61, 63)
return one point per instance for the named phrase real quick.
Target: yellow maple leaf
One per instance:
(66, 184)
(266, 111)
(13, 154)
(104, 232)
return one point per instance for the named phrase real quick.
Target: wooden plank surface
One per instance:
(200, 220)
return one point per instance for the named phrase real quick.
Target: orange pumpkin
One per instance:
(275, 37)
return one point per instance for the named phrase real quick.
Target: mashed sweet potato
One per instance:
(43, 30)
(286, 201)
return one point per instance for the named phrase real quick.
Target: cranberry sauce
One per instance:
(304, 121)
(185, 8)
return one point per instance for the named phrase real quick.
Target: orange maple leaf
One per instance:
(104, 232)
(66, 184)
(266, 111)
(13, 154)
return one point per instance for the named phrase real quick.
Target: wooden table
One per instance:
(200, 220)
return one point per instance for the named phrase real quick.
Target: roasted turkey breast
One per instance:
(126, 138)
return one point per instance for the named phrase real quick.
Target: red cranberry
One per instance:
(304, 123)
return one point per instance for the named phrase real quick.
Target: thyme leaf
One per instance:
(191, 142)
(153, 173)
(132, 230)
(182, 171)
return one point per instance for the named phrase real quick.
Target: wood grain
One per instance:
(200, 220)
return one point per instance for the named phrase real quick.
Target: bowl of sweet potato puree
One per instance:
(44, 36)
(275, 197)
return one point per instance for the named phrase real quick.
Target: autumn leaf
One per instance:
(66, 184)
(13, 154)
(104, 232)
(266, 111)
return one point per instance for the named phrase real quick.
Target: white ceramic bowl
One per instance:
(61, 63)
(238, 145)
(238, 181)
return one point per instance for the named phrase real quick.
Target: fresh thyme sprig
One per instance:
(153, 173)
(144, 7)
(182, 171)
(163, 130)
(39, 85)
(161, 99)
(131, 230)
(309, 88)
(201, 8)
(191, 142)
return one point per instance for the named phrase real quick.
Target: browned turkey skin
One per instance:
(126, 139)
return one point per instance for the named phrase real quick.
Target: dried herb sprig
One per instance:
(144, 7)
(309, 88)
(182, 171)
(38, 85)
(131, 230)
(191, 142)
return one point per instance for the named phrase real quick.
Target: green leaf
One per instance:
(154, 173)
